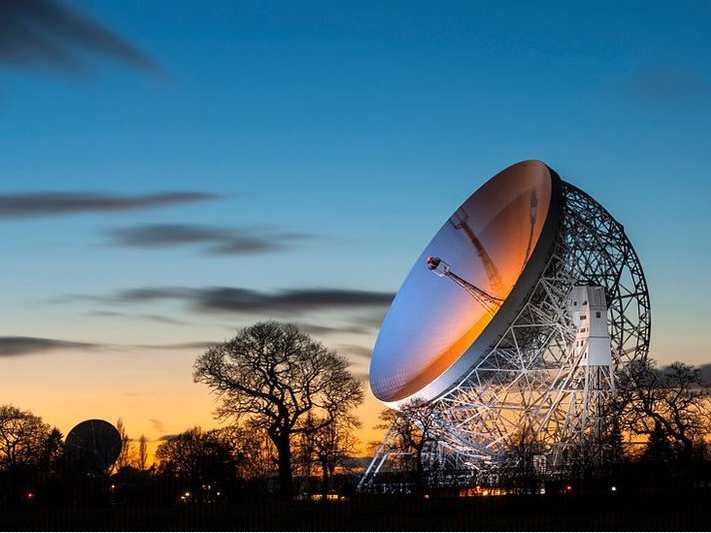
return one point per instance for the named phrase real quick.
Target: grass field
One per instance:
(665, 510)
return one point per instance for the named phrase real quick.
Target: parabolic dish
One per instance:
(92, 446)
(498, 242)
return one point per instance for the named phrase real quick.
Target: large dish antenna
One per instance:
(92, 446)
(519, 317)
(494, 248)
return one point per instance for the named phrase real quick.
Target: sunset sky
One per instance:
(172, 171)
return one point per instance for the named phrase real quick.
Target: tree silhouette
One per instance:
(142, 458)
(414, 423)
(328, 447)
(520, 471)
(27, 446)
(252, 450)
(125, 457)
(51, 453)
(202, 458)
(277, 375)
(659, 450)
(25, 439)
(673, 399)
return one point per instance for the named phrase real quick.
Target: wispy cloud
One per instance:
(36, 34)
(157, 425)
(373, 320)
(670, 84)
(27, 346)
(138, 295)
(14, 346)
(244, 300)
(19, 346)
(52, 203)
(141, 316)
(199, 345)
(706, 372)
(318, 329)
(214, 240)
(355, 350)
(240, 300)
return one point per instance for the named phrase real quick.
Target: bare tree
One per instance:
(277, 375)
(333, 445)
(414, 423)
(659, 450)
(52, 450)
(672, 400)
(125, 456)
(142, 459)
(203, 459)
(25, 440)
(252, 449)
(304, 459)
(520, 470)
(327, 448)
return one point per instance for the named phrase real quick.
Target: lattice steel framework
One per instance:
(533, 382)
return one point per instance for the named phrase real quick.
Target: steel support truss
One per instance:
(533, 386)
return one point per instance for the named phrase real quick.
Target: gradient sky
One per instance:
(224, 162)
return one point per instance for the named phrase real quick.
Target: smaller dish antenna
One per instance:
(92, 446)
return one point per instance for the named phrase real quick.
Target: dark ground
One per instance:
(659, 510)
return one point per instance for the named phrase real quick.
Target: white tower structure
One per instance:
(592, 384)
(588, 307)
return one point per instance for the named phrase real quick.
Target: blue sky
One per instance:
(343, 133)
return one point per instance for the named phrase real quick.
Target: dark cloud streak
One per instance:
(144, 316)
(204, 345)
(224, 299)
(158, 425)
(45, 33)
(147, 294)
(706, 372)
(218, 241)
(317, 329)
(240, 300)
(372, 321)
(42, 204)
(23, 346)
(14, 346)
(354, 350)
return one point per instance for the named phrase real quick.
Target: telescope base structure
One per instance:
(542, 397)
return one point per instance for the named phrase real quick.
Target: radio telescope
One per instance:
(521, 315)
(92, 446)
